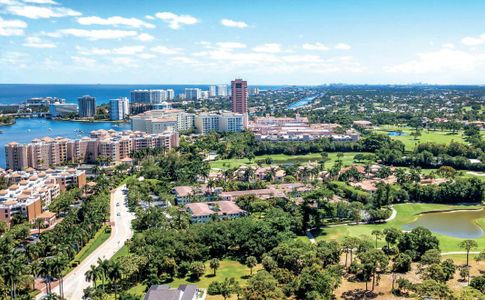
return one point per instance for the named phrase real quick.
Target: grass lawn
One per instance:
(406, 213)
(438, 136)
(347, 159)
(228, 268)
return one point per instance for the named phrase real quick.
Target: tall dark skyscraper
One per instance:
(87, 106)
(239, 96)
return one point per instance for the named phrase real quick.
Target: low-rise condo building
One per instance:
(110, 145)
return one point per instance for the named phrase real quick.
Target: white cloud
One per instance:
(104, 34)
(93, 51)
(40, 12)
(165, 50)
(128, 50)
(149, 17)
(36, 42)
(342, 46)
(448, 45)
(145, 37)
(83, 60)
(230, 45)
(232, 23)
(268, 48)
(443, 60)
(315, 46)
(114, 21)
(12, 27)
(147, 56)
(176, 21)
(124, 50)
(473, 41)
(41, 1)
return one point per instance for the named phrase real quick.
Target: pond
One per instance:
(396, 133)
(459, 223)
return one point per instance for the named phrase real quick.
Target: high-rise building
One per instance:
(222, 90)
(254, 90)
(87, 106)
(170, 95)
(239, 96)
(193, 93)
(141, 96)
(158, 96)
(212, 91)
(118, 108)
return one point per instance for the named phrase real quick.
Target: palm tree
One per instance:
(378, 235)
(468, 245)
(114, 273)
(103, 265)
(92, 274)
(38, 223)
(58, 264)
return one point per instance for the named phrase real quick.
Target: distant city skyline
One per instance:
(273, 42)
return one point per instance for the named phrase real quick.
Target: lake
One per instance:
(460, 223)
(25, 130)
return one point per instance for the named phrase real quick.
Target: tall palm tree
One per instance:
(92, 274)
(115, 274)
(58, 264)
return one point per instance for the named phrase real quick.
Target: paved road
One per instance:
(74, 282)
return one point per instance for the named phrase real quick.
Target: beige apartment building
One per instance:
(116, 145)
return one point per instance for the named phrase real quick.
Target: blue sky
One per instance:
(265, 42)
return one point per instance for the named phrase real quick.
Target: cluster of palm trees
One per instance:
(109, 271)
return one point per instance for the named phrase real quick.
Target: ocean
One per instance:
(18, 93)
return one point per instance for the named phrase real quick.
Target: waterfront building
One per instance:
(193, 93)
(158, 96)
(44, 101)
(239, 96)
(212, 91)
(59, 110)
(141, 96)
(222, 90)
(87, 106)
(170, 94)
(109, 145)
(118, 109)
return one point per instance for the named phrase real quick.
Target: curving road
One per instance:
(74, 282)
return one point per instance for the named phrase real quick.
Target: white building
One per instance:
(158, 96)
(61, 109)
(221, 122)
(156, 121)
(207, 122)
(222, 90)
(212, 91)
(118, 109)
(193, 93)
(170, 94)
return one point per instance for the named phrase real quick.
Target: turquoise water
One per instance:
(396, 133)
(24, 130)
